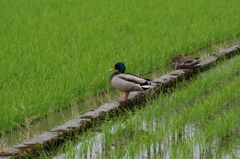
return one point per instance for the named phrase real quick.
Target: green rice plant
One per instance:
(215, 131)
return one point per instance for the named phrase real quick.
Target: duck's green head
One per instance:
(120, 67)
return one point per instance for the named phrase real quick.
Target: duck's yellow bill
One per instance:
(111, 69)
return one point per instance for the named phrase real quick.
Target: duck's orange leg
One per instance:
(126, 97)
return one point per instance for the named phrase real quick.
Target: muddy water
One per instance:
(9, 139)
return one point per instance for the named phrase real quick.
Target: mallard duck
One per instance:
(184, 62)
(127, 82)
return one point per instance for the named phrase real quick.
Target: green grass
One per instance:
(181, 125)
(54, 53)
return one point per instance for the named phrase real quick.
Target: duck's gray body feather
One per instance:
(127, 82)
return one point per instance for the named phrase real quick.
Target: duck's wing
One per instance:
(132, 78)
(190, 60)
(179, 63)
(176, 65)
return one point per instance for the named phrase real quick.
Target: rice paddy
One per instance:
(55, 53)
(184, 124)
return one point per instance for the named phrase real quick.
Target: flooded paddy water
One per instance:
(57, 118)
